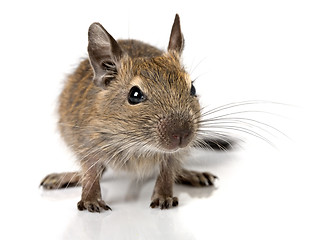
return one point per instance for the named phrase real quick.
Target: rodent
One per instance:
(130, 106)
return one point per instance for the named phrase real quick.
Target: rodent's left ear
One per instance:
(104, 55)
(176, 42)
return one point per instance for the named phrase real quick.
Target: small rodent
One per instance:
(130, 106)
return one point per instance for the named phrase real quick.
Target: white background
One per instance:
(279, 51)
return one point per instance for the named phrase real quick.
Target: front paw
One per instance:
(164, 202)
(93, 205)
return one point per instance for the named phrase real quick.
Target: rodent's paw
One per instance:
(60, 180)
(164, 202)
(196, 179)
(93, 206)
(51, 181)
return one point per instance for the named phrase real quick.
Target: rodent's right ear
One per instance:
(104, 55)
(176, 42)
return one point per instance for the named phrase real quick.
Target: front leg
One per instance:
(163, 191)
(91, 198)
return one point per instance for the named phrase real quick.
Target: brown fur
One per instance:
(104, 129)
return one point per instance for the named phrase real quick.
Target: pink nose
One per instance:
(179, 139)
(175, 132)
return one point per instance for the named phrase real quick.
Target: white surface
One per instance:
(240, 50)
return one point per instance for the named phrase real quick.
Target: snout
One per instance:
(175, 133)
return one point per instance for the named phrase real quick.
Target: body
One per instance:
(132, 107)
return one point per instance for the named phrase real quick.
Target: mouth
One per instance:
(170, 150)
(176, 143)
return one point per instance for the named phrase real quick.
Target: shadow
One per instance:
(194, 192)
(61, 194)
(202, 160)
(135, 188)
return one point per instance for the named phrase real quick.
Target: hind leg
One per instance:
(196, 179)
(61, 180)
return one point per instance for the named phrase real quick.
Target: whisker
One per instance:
(250, 132)
(205, 145)
(225, 136)
(74, 175)
(246, 122)
(195, 67)
(239, 112)
(199, 143)
(225, 124)
(238, 104)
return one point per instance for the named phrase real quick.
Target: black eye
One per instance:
(135, 96)
(193, 91)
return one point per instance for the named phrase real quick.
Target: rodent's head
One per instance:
(147, 103)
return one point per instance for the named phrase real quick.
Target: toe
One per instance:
(174, 201)
(155, 203)
(92, 206)
(210, 178)
(80, 206)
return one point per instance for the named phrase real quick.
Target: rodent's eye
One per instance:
(193, 91)
(135, 96)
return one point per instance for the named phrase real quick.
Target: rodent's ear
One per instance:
(104, 55)
(176, 42)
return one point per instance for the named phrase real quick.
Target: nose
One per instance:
(174, 134)
(179, 138)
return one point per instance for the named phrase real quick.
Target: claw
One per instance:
(196, 179)
(92, 206)
(164, 202)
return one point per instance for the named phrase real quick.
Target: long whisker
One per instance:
(225, 123)
(239, 112)
(250, 132)
(238, 104)
(223, 135)
(246, 121)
